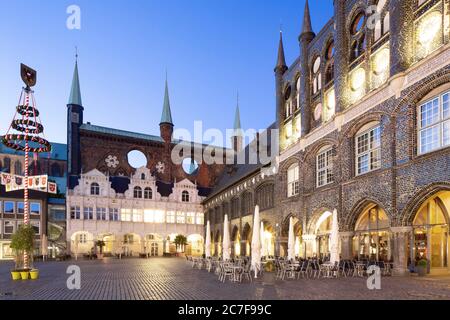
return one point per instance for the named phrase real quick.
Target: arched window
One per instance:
(95, 189)
(293, 180)
(289, 110)
(298, 87)
(185, 196)
(7, 165)
(55, 170)
(358, 36)
(265, 197)
(137, 192)
(247, 203)
(382, 24)
(18, 168)
(329, 69)
(368, 148)
(143, 176)
(148, 193)
(324, 166)
(316, 76)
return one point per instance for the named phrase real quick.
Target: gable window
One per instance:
(368, 150)
(148, 193)
(434, 124)
(293, 179)
(137, 193)
(95, 189)
(185, 196)
(317, 77)
(324, 163)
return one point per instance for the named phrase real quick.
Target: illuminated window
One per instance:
(153, 216)
(190, 218)
(368, 150)
(170, 217)
(137, 215)
(125, 215)
(200, 219)
(330, 103)
(428, 34)
(329, 69)
(289, 110)
(324, 163)
(434, 124)
(181, 217)
(293, 180)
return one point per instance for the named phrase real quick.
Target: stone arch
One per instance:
(288, 163)
(361, 122)
(298, 225)
(314, 218)
(322, 143)
(247, 232)
(358, 208)
(234, 233)
(407, 215)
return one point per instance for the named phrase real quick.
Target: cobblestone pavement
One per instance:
(174, 279)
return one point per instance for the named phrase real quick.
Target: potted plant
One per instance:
(100, 244)
(422, 267)
(23, 242)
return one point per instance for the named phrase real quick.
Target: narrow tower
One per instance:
(166, 124)
(237, 137)
(74, 121)
(280, 70)
(306, 36)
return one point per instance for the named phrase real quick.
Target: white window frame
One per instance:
(114, 214)
(37, 224)
(13, 226)
(76, 211)
(171, 217)
(369, 151)
(14, 207)
(440, 123)
(326, 169)
(200, 219)
(293, 185)
(40, 208)
(101, 213)
(89, 211)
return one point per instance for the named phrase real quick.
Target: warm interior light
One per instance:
(289, 130)
(429, 28)
(358, 79)
(381, 61)
(331, 103)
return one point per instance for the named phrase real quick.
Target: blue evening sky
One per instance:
(211, 48)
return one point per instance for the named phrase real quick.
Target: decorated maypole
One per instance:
(27, 126)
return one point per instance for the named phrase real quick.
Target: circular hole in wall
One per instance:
(136, 159)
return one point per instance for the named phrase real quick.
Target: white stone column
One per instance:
(400, 253)
(347, 245)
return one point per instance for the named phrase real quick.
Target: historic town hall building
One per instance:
(133, 211)
(364, 119)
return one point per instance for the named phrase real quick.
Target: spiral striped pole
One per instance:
(26, 214)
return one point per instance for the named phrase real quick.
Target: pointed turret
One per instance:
(281, 61)
(75, 91)
(237, 138)
(166, 124)
(166, 116)
(307, 25)
(75, 112)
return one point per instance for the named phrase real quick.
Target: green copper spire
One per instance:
(237, 119)
(75, 91)
(167, 113)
